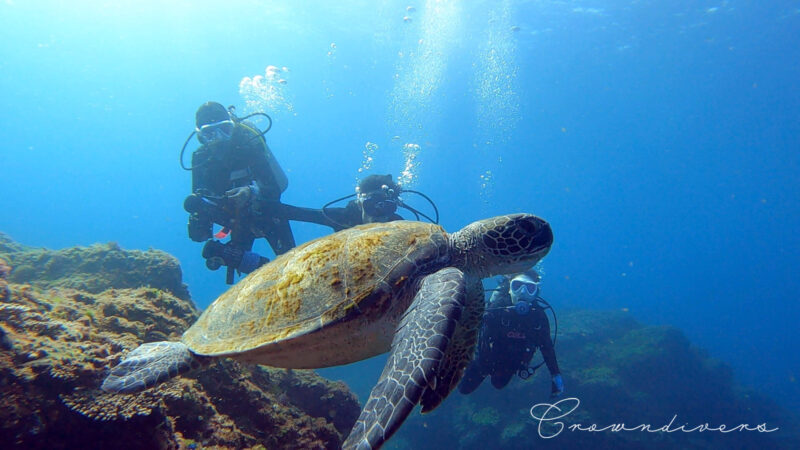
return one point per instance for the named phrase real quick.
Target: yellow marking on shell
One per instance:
(283, 299)
(280, 334)
(337, 311)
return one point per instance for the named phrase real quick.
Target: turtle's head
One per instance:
(502, 245)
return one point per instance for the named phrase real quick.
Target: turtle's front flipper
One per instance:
(418, 348)
(149, 365)
(461, 348)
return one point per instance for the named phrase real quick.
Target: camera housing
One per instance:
(218, 254)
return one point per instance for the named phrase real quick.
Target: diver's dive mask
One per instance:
(524, 289)
(217, 131)
(379, 203)
(524, 292)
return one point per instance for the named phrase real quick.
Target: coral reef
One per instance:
(486, 416)
(622, 372)
(57, 342)
(5, 269)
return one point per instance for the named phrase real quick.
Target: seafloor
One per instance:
(66, 316)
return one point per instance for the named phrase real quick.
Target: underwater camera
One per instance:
(380, 204)
(218, 254)
(209, 207)
(203, 214)
(205, 211)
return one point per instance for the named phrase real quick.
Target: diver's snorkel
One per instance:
(236, 120)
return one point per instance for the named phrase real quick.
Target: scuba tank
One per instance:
(275, 168)
(277, 171)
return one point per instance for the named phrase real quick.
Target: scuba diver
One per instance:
(236, 182)
(514, 326)
(377, 199)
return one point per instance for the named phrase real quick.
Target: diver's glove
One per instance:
(557, 386)
(241, 196)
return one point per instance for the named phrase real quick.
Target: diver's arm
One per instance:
(493, 326)
(544, 342)
(499, 298)
(330, 218)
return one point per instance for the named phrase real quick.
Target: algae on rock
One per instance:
(93, 269)
(70, 315)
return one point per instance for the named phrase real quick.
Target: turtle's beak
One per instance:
(527, 236)
(542, 238)
(528, 239)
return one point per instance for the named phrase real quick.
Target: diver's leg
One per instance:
(472, 378)
(501, 378)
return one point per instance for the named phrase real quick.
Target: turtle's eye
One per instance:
(528, 226)
(533, 233)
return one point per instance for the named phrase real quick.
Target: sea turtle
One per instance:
(405, 287)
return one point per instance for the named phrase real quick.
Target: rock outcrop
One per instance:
(93, 269)
(71, 314)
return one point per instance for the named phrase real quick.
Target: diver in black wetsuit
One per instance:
(514, 326)
(377, 198)
(236, 183)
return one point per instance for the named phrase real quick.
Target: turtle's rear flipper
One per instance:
(149, 365)
(418, 349)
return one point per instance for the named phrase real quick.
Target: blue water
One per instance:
(660, 139)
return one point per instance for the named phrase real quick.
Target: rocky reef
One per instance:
(620, 371)
(66, 316)
(93, 269)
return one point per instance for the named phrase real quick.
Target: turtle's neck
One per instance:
(463, 244)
